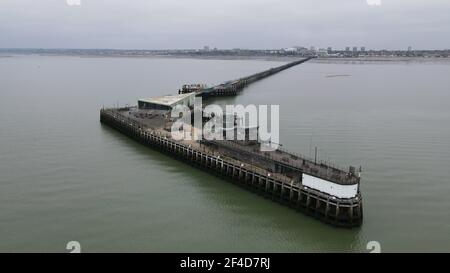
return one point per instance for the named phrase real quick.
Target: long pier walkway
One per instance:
(231, 88)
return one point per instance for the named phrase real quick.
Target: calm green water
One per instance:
(64, 176)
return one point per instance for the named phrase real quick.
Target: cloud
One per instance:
(224, 23)
(374, 2)
(73, 2)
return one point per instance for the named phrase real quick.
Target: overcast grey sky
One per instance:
(153, 24)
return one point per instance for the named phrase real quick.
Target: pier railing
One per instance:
(313, 161)
(116, 113)
(303, 164)
(307, 165)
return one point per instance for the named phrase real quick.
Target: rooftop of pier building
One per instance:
(167, 102)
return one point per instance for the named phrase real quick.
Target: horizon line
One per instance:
(210, 49)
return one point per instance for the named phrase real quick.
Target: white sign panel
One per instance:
(340, 191)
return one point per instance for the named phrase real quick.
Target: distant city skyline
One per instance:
(212, 48)
(249, 24)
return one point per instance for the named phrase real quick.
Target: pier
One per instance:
(319, 189)
(233, 87)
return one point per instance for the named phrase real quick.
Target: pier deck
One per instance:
(276, 183)
(288, 160)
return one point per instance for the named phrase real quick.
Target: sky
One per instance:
(258, 24)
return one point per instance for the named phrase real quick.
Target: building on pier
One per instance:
(167, 102)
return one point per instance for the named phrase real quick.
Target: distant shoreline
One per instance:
(347, 60)
(381, 60)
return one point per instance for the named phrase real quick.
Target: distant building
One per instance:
(206, 48)
(355, 49)
(322, 52)
(301, 49)
(290, 50)
(329, 49)
(347, 49)
(409, 48)
(363, 49)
